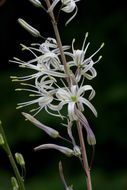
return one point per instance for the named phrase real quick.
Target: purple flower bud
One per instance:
(67, 151)
(51, 132)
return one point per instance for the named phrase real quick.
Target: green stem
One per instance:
(12, 161)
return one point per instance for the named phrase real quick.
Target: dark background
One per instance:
(106, 21)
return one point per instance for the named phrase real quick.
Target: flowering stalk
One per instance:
(83, 149)
(12, 161)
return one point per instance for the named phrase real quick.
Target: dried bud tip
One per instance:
(91, 140)
(86, 35)
(102, 45)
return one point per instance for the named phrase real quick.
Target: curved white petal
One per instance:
(88, 104)
(76, 10)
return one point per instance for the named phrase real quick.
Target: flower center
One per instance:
(73, 98)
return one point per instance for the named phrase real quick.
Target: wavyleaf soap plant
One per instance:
(59, 79)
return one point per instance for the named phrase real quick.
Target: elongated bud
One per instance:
(14, 183)
(29, 28)
(36, 3)
(67, 151)
(51, 132)
(20, 159)
(1, 139)
(90, 135)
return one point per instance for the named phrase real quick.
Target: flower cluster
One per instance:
(46, 91)
(55, 84)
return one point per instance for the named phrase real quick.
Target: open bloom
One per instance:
(74, 97)
(45, 62)
(43, 93)
(84, 65)
(68, 7)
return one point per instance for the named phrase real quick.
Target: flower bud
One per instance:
(67, 151)
(29, 28)
(14, 183)
(51, 132)
(1, 139)
(20, 159)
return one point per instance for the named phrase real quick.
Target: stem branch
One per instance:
(12, 161)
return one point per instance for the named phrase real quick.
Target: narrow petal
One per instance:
(88, 104)
(76, 10)
(71, 111)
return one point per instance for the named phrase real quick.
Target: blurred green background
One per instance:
(106, 22)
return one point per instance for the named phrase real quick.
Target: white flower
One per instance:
(44, 96)
(68, 7)
(84, 65)
(46, 63)
(75, 100)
